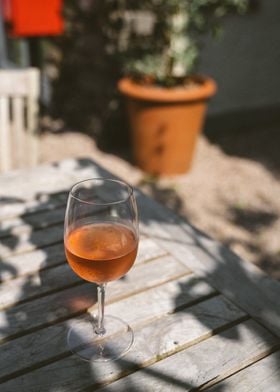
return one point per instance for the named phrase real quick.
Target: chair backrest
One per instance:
(19, 104)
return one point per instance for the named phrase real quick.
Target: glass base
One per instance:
(88, 345)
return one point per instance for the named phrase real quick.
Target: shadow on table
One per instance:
(6, 269)
(19, 235)
(259, 224)
(20, 315)
(221, 263)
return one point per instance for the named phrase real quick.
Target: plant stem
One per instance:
(100, 330)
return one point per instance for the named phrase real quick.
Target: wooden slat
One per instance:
(242, 282)
(20, 150)
(47, 179)
(19, 85)
(37, 284)
(21, 228)
(12, 207)
(53, 255)
(29, 222)
(255, 293)
(55, 307)
(148, 250)
(32, 189)
(43, 311)
(27, 263)
(17, 82)
(34, 220)
(32, 118)
(26, 242)
(262, 376)
(166, 298)
(5, 137)
(53, 279)
(177, 330)
(208, 361)
(26, 224)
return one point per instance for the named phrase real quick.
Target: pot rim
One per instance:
(203, 90)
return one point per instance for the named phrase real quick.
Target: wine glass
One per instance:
(101, 241)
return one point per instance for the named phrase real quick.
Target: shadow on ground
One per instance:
(252, 134)
(255, 222)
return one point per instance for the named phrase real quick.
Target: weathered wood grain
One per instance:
(55, 307)
(29, 222)
(21, 189)
(18, 129)
(5, 137)
(12, 207)
(32, 115)
(255, 292)
(146, 304)
(29, 241)
(53, 255)
(148, 250)
(176, 331)
(197, 251)
(20, 82)
(24, 318)
(153, 303)
(207, 361)
(263, 376)
(27, 263)
(51, 212)
(242, 282)
(36, 284)
(56, 278)
(23, 86)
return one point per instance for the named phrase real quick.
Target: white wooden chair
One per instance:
(19, 105)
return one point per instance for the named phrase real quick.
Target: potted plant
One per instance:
(157, 43)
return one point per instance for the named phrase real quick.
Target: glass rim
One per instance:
(112, 180)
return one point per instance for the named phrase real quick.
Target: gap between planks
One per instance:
(52, 255)
(76, 281)
(52, 303)
(34, 221)
(32, 240)
(239, 280)
(198, 334)
(69, 370)
(243, 366)
(227, 356)
(93, 307)
(263, 375)
(18, 209)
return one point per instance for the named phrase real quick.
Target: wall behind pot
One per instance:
(245, 62)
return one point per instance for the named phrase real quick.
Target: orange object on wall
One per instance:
(30, 18)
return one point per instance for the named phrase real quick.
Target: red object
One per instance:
(6, 8)
(30, 18)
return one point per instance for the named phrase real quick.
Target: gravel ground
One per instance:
(234, 199)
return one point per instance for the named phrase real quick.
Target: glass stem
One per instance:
(100, 330)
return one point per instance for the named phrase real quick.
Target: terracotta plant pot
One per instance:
(165, 123)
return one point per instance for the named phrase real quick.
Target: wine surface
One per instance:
(101, 252)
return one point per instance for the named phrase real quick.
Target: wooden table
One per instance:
(203, 319)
